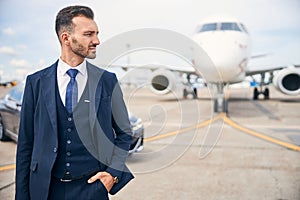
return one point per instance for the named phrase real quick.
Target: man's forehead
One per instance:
(84, 23)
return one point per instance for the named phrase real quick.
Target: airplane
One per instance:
(10, 83)
(228, 44)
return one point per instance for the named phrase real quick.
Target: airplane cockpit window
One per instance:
(244, 28)
(208, 27)
(230, 27)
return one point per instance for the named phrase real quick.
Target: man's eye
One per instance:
(88, 34)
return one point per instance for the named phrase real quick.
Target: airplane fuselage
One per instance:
(228, 49)
(220, 56)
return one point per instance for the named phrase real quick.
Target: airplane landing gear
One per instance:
(267, 93)
(220, 105)
(220, 102)
(189, 87)
(263, 83)
(193, 92)
(256, 93)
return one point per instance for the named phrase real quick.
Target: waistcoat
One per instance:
(73, 157)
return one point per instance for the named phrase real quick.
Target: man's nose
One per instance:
(96, 41)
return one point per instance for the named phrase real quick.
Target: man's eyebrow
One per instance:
(87, 31)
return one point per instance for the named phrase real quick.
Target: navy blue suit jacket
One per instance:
(38, 140)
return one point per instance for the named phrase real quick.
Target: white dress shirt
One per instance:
(63, 78)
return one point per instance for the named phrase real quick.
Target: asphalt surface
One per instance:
(190, 152)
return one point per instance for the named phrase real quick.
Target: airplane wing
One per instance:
(153, 67)
(263, 63)
(265, 69)
(162, 78)
(286, 79)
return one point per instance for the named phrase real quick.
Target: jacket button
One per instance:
(54, 149)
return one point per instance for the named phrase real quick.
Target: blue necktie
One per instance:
(72, 91)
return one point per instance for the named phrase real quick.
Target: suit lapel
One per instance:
(48, 82)
(95, 90)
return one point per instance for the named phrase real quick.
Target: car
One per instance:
(10, 108)
(138, 134)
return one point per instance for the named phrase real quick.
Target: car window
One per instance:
(16, 94)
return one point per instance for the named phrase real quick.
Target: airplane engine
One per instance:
(287, 81)
(163, 81)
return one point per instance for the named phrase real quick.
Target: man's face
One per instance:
(84, 37)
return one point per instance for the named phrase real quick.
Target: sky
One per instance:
(28, 41)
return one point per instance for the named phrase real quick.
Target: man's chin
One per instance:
(91, 56)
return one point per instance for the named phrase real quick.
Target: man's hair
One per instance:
(64, 17)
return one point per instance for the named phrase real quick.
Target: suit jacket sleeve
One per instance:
(123, 133)
(25, 144)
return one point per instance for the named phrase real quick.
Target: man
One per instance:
(74, 131)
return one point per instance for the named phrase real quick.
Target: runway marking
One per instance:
(265, 111)
(231, 123)
(8, 185)
(260, 135)
(203, 124)
(172, 133)
(7, 167)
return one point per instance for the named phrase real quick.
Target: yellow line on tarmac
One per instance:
(172, 133)
(260, 135)
(230, 123)
(7, 167)
(200, 125)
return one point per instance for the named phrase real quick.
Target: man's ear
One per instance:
(65, 38)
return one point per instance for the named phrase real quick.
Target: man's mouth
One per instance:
(92, 47)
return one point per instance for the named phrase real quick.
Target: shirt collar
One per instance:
(64, 67)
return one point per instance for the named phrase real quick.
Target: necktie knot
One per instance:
(72, 73)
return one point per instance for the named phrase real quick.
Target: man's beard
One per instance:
(81, 51)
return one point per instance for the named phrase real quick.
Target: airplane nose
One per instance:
(226, 53)
(226, 62)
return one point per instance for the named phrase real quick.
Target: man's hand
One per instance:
(105, 178)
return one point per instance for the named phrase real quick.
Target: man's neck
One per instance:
(72, 61)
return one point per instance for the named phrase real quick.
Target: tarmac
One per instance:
(190, 152)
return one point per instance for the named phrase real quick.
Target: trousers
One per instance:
(77, 190)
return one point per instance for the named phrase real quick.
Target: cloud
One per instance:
(41, 63)
(8, 31)
(21, 72)
(263, 18)
(22, 47)
(7, 50)
(20, 63)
